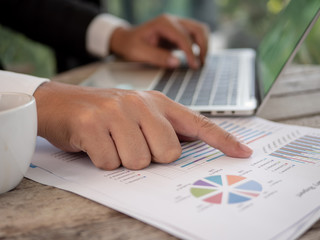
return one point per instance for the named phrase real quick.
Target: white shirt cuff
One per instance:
(99, 33)
(16, 82)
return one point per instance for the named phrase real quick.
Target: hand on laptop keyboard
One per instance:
(124, 127)
(153, 41)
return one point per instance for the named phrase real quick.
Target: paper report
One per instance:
(274, 194)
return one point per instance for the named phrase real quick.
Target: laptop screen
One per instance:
(282, 40)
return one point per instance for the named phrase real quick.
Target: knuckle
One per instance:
(85, 119)
(133, 53)
(113, 108)
(135, 98)
(137, 163)
(205, 125)
(107, 165)
(169, 156)
(228, 136)
(165, 19)
(157, 94)
(138, 101)
(165, 16)
(204, 122)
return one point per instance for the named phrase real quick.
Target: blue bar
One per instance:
(248, 134)
(239, 130)
(215, 157)
(298, 146)
(230, 125)
(221, 124)
(233, 128)
(314, 138)
(286, 158)
(190, 154)
(191, 145)
(261, 133)
(201, 159)
(308, 141)
(247, 131)
(296, 155)
(183, 152)
(301, 150)
(305, 145)
(211, 150)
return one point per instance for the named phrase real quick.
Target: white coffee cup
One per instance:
(18, 132)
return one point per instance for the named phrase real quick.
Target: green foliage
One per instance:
(144, 10)
(310, 52)
(255, 17)
(20, 54)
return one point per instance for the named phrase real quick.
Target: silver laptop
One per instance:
(233, 81)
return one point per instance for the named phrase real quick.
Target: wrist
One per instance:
(49, 99)
(118, 39)
(99, 32)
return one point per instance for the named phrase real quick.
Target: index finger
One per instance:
(191, 124)
(171, 29)
(200, 33)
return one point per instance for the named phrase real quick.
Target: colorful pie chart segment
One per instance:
(225, 189)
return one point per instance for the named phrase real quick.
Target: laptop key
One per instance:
(188, 93)
(178, 78)
(163, 81)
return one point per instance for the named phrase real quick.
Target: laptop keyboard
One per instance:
(215, 84)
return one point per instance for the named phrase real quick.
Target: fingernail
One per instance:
(245, 148)
(173, 62)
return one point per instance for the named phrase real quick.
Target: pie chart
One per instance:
(225, 189)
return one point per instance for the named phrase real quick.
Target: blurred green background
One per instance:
(243, 22)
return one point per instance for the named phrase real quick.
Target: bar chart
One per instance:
(246, 134)
(305, 150)
(197, 153)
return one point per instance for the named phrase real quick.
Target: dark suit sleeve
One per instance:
(60, 24)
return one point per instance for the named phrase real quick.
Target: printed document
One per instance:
(274, 194)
